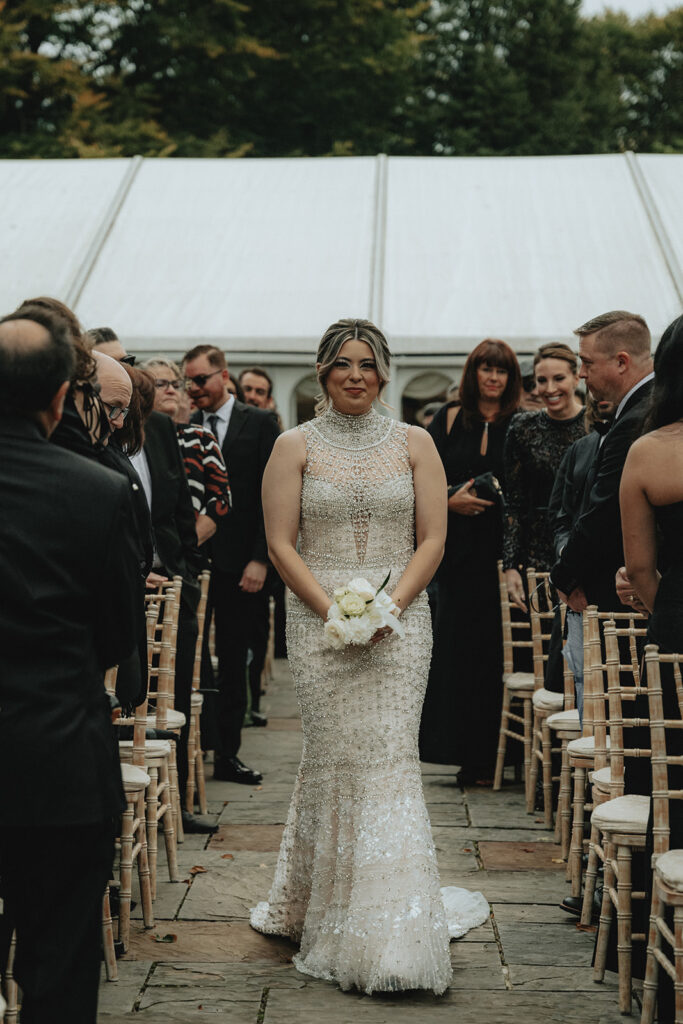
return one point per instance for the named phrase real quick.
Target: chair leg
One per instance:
(547, 762)
(108, 939)
(169, 831)
(532, 776)
(605, 915)
(174, 796)
(678, 962)
(591, 877)
(191, 766)
(126, 871)
(144, 879)
(152, 826)
(528, 737)
(564, 805)
(502, 739)
(576, 849)
(624, 927)
(201, 779)
(11, 987)
(652, 967)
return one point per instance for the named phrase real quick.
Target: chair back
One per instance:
(542, 602)
(623, 687)
(203, 579)
(662, 732)
(511, 628)
(161, 650)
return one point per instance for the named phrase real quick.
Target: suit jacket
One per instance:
(595, 549)
(567, 496)
(247, 445)
(67, 572)
(173, 519)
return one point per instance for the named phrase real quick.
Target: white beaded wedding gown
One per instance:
(356, 883)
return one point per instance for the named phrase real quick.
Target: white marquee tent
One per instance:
(259, 256)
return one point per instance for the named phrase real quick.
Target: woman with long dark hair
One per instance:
(461, 713)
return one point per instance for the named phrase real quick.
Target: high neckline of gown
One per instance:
(352, 430)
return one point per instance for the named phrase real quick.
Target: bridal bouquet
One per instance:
(358, 612)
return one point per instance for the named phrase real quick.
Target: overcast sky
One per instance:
(634, 8)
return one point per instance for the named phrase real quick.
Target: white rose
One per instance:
(362, 588)
(351, 604)
(340, 591)
(335, 634)
(334, 611)
(359, 630)
(384, 601)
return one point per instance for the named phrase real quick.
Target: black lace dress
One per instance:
(461, 713)
(534, 448)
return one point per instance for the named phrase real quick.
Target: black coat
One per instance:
(67, 573)
(249, 440)
(173, 518)
(567, 494)
(595, 548)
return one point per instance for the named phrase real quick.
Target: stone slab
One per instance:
(493, 833)
(512, 886)
(209, 942)
(170, 896)
(527, 978)
(447, 814)
(232, 990)
(510, 856)
(538, 913)
(120, 996)
(546, 945)
(229, 888)
(263, 838)
(260, 812)
(284, 724)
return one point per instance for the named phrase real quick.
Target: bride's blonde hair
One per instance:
(338, 334)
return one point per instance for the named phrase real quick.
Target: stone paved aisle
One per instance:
(202, 962)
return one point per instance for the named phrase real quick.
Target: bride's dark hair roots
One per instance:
(338, 334)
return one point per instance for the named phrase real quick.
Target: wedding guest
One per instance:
(257, 387)
(529, 399)
(461, 714)
(65, 526)
(106, 341)
(535, 444)
(239, 550)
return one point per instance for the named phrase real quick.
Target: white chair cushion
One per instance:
(133, 778)
(546, 700)
(602, 777)
(197, 699)
(623, 814)
(583, 746)
(565, 721)
(156, 748)
(174, 719)
(669, 867)
(519, 680)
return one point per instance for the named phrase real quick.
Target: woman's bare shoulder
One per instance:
(291, 445)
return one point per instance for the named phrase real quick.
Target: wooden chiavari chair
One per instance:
(153, 757)
(518, 688)
(195, 758)
(622, 820)
(667, 864)
(554, 713)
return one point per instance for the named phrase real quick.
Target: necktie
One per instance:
(213, 424)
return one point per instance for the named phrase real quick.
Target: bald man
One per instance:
(66, 574)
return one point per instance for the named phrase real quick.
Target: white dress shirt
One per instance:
(222, 419)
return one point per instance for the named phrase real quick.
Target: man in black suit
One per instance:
(239, 551)
(67, 573)
(617, 367)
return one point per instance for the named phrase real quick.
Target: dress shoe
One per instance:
(231, 769)
(574, 905)
(192, 824)
(258, 719)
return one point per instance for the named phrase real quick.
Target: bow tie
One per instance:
(601, 427)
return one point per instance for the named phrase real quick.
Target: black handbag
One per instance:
(485, 486)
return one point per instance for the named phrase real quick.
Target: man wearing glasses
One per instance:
(239, 566)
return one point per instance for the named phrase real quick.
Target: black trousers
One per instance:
(53, 881)
(237, 619)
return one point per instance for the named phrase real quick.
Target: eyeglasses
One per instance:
(163, 384)
(129, 360)
(200, 379)
(114, 411)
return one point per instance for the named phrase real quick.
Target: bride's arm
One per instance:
(431, 504)
(281, 510)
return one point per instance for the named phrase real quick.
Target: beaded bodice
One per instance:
(357, 500)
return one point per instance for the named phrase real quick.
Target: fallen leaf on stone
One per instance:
(467, 849)
(227, 856)
(166, 938)
(557, 860)
(258, 787)
(197, 870)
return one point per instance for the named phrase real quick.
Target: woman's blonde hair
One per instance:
(149, 364)
(338, 334)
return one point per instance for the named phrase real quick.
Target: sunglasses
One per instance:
(200, 380)
(128, 360)
(162, 385)
(114, 411)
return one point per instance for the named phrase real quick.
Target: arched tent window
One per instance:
(305, 397)
(430, 386)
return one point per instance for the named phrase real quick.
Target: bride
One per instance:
(356, 882)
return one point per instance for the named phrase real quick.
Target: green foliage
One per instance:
(334, 77)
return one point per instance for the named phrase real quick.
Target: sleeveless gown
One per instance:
(356, 883)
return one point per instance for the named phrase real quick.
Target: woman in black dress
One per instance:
(460, 719)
